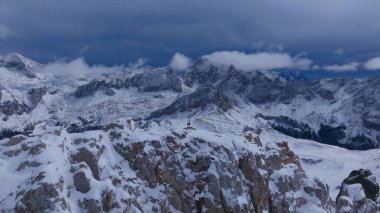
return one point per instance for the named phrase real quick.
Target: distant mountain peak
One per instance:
(19, 63)
(205, 95)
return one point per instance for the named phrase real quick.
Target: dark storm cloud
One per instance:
(117, 31)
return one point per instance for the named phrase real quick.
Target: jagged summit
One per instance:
(205, 95)
(19, 63)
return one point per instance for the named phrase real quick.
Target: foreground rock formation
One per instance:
(358, 193)
(145, 170)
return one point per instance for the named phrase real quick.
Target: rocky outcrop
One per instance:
(223, 180)
(14, 106)
(90, 88)
(358, 193)
(81, 182)
(44, 198)
(36, 95)
(90, 158)
(176, 171)
(205, 95)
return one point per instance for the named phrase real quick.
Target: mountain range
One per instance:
(210, 138)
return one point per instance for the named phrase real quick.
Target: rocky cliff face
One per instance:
(13, 106)
(205, 95)
(123, 170)
(358, 193)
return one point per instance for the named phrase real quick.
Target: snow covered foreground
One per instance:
(167, 167)
(330, 163)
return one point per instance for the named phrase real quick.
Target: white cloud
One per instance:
(315, 67)
(138, 63)
(351, 67)
(259, 61)
(373, 64)
(179, 62)
(5, 32)
(76, 67)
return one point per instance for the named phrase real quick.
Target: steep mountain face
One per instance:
(205, 95)
(343, 112)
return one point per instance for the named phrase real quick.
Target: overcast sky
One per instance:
(335, 35)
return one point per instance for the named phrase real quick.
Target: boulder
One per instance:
(81, 182)
(358, 193)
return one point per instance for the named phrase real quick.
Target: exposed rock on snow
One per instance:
(81, 182)
(91, 88)
(19, 63)
(145, 171)
(71, 144)
(152, 80)
(358, 193)
(205, 95)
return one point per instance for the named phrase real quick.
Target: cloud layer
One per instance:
(115, 31)
(76, 67)
(373, 64)
(179, 62)
(258, 61)
(351, 67)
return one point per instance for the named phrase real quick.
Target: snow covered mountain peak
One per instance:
(17, 62)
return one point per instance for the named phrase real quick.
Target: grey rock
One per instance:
(36, 95)
(14, 140)
(28, 164)
(10, 108)
(37, 149)
(156, 80)
(83, 155)
(218, 189)
(91, 205)
(44, 198)
(364, 182)
(109, 92)
(90, 88)
(18, 63)
(205, 95)
(13, 107)
(81, 182)
(367, 180)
